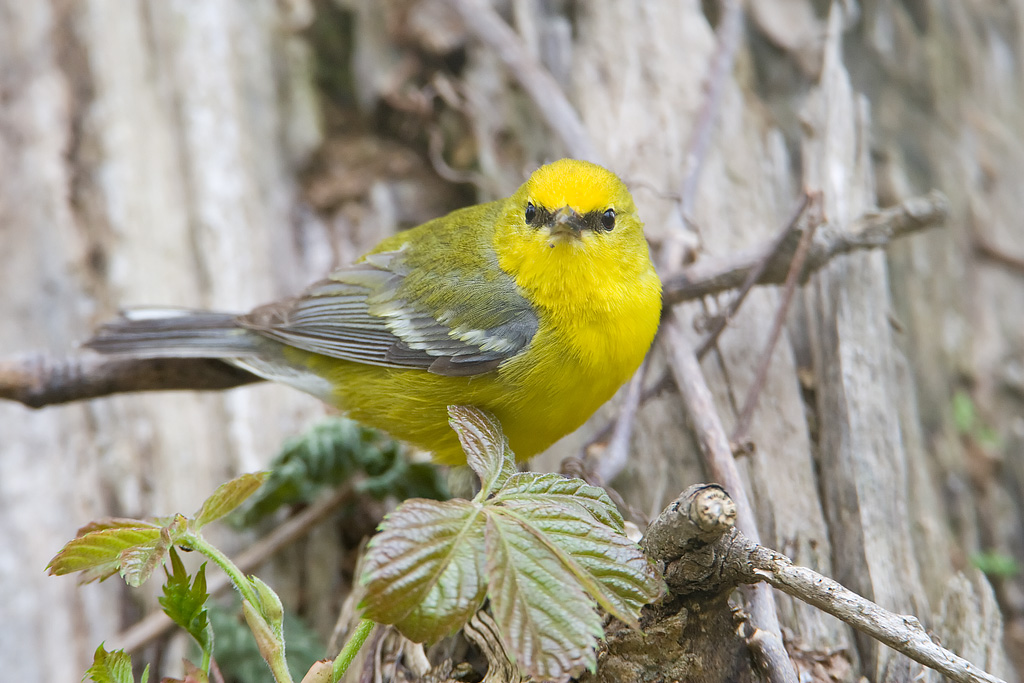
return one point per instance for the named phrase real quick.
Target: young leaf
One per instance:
(270, 607)
(112, 667)
(228, 496)
(185, 602)
(140, 561)
(607, 565)
(423, 571)
(540, 489)
(547, 623)
(97, 554)
(487, 451)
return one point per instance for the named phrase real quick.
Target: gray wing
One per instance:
(371, 313)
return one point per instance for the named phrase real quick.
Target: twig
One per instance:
(755, 274)
(704, 553)
(711, 275)
(742, 427)
(901, 633)
(38, 380)
(721, 465)
(727, 40)
(483, 22)
(615, 456)
(984, 247)
(292, 529)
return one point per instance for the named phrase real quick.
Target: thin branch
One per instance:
(704, 553)
(490, 29)
(292, 529)
(615, 456)
(38, 380)
(712, 275)
(985, 248)
(754, 392)
(727, 41)
(721, 465)
(900, 632)
(722, 319)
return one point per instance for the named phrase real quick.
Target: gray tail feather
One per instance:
(170, 333)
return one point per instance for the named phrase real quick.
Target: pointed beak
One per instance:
(567, 222)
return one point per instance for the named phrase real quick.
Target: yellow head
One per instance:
(571, 237)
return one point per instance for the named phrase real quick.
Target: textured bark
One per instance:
(187, 153)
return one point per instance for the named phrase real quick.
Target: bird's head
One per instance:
(571, 220)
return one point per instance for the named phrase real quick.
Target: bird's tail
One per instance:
(174, 333)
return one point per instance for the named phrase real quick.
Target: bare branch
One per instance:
(615, 456)
(723, 318)
(490, 29)
(721, 465)
(900, 632)
(742, 427)
(711, 275)
(38, 380)
(695, 537)
(726, 44)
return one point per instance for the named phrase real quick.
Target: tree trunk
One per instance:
(222, 154)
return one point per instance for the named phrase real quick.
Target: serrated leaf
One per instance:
(423, 571)
(97, 554)
(229, 496)
(540, 489)
(140, 561)
(112, 667)
(547, 623)
(607, 565)
(487, 451)
(185, 602)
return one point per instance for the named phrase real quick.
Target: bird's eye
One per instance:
(608, 219)
(531, 212)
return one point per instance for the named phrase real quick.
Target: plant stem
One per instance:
(352, 645)
(273, 652)
(242, 584)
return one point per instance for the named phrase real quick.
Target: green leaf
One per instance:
(540, 489)
(546, 621)
(229, 496)
(97, 554)
(112, 667)
(487, 451)
(423, 571)
(607, 565)
(185, 602)
(140, 561)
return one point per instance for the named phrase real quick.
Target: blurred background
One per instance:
(225, 153)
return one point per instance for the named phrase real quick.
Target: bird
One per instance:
(535, 308)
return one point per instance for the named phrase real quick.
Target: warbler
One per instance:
(536, 308)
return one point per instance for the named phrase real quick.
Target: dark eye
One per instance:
(531, 212)
(608, 219)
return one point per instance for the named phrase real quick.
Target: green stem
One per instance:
(241, 582)
(273, 653)
(348, 653)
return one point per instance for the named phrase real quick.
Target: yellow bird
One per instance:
(536, 308)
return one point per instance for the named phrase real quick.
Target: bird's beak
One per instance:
(566, 222)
